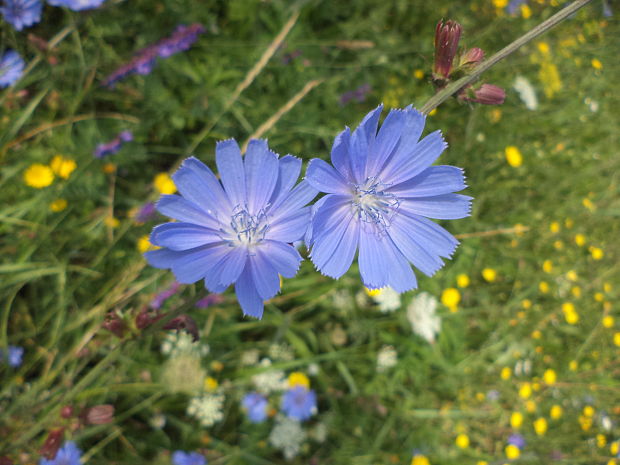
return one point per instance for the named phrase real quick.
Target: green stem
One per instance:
(543, 27)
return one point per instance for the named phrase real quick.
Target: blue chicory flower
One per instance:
(180, 457)
(69, 454)
(255, 405)
(299, 403)
(237, 231)
(381, 193)
(13, 356)
(21, 13)
(113, 146)
(11, 68)
(77, 5)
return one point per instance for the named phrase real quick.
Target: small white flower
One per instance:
(281, 352)
(526, 92)
(386, 358)
(177, 343)
(269, 381)
(388, 300)
(422, 315)
(250, 357)
(288, 436)
(207, 409)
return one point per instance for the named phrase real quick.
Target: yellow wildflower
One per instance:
(526, 11)
(596, 63)
(450, 298)
(58, 205)
(540, 426)
(588, 411)
(62, 167)
(526, 304)
(550, 377)
(164, 184)
(109, 168)
(573, 365)
(210, 384)
(111, 222)
(516, 420)
(547, 266)
(495, 115)
(607, 287)
(559, 245)
(525, 391)
(505, 373)
(585, 422)
(489, 274)
(614, 447)
(536, 334)
(144, 244)
(433, 112)
(543, 47)
(462, 441)
(554, 227)
(513, 156)
(556, 412)
(419, 459)
(500, 3)
(571, 318)
(297, 378)
(617, 339)
(580, 240)
(608, 321)
(512, 452)
(576, 291)
(418, 74)
(462, 280)
(569, 223)
(38, 176)
(572, 275)
(543, 287)
(599, 296)
(601, 440)
(550, 77)
(216, 365)
(596, 252)
(530, 406)
(586, 202)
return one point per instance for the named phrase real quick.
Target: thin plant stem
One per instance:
(543, 27)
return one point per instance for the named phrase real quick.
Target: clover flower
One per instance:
(237, 232)
(22, 13)
(77, 5)
(255, 405)
(299, 403)
(379, 198)
(180, 457)
(69, 454)
(11, 68)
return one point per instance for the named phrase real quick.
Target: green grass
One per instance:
(61, 273)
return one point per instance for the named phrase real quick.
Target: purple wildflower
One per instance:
(514, 5)
(69, 454)
(180, 457)
(160, 298)
(237, 231)
(112, 147)
(208, 301)
(358, 94)
(299, 403)
(146, 213)
(11, 68)
(144, 60)
(516, 440)
(77, 5)
(22, 13)
(255, 405)
(13, 356)
(382, 191)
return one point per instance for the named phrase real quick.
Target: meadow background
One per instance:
(529, 322)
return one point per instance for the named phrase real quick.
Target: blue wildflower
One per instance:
(11, 68)
(77, 5)
(145, 213)
(22, 13)
(380, 195)
(237, 231)
(256, 406)
(514, 5)
(180, 457)
(69, 454)
(299, 403)
(113, 146)
(517, 440)
(13, 356)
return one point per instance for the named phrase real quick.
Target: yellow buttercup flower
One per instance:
(536, 334)
(450, 298)
(526, 11)
(513, 156)
(540, 426)
(543, 287)
(599, 296)
(573, 365)
(58, 205)
(462, 280)
(596, 252)
(512, 452)
(572, 275)
(525, 391)
(144, 244)
(580, 240)
(210, 384)
(500, 3)
(506, 373)
(63, 167)
(462, 441)
(418, 74)
(489, 274)
(420, 460)
(38, 176)
(586, 202)
(608, 321)
(526, 304)
(596, 63)
(556, 412)
(547, 266)
(516, 420)
(601, 440)
(550, 377)
(543, 47)
(297, 378)
(617, 339)
(554, 227)
(164, 184)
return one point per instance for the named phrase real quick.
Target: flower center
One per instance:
(374, 206)
(247, 229)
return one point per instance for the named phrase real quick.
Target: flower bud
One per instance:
(52, 443)
(185, 323)
(488, 94)
(472, 57)
(99, 414)
(447, 38)
(114, 324)
(66, 412)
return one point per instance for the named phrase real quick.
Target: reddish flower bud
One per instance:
(186, 323)
(472, 57)
(52, 443)
(99, 414)
(447, 38)
(146, 318)
(114, 324)
(488, 94)
(66, 412)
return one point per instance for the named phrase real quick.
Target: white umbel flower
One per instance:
(207, 409)
(269, 381)
(287, 435)
(422, 315)
(526, 92)
(386, 358)
(177, 343)
(388, 300)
